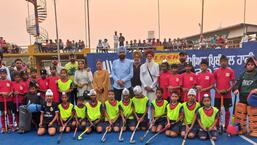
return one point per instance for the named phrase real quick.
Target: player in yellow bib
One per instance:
(174, 115)
(190, 108)
(111, 111)
(80, 114)
(65, 113)
(65, 84)
(126, 111)
(158, 107)
(94, 113)
(207, 119)
(140, 103)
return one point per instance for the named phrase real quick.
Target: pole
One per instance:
(88, 23)
(159, 23)
(85, 10)
(57, 35)
(28, 17)
(244, 17)
(201, 33)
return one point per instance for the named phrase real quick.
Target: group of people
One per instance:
(6, 47)
(143, 96)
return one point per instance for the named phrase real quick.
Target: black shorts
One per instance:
(175, 127)
(145, 122)
(9, 106)
(45, 125)
(160, 121)
(131, 123)
(69, 124)
(117, 123)
(227, 103)
(99, 124)
(203, 133)
(194, 130)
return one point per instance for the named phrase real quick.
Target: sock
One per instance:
(227, 118)
(10, 119)
(3, 121)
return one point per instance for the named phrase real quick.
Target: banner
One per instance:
(236, 56)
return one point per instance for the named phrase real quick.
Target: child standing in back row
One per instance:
(52, 83)
(188, 80)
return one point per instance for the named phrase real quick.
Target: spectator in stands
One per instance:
(122, 72)
(136, 69)
(221, 42)
(61, 44)
(99, 47)
(106, 46)
(116, 41)
(121, 39)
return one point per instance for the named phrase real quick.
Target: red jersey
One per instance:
(25, 85)
(6, 87)
(18, 87)
(188, 81)
(52, 83)
(223, 77)
(164, 84)
(205, 80)
(43, 85)
(175, 80)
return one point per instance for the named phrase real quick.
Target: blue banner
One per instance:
(236, 56)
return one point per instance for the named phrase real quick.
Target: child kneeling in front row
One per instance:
(207, 119)
(49, 115)
(79, 120)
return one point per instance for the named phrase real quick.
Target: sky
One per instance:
(134, 18)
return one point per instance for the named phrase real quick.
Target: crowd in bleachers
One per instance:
(6, 47)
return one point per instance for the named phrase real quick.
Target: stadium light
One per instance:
(57, 33)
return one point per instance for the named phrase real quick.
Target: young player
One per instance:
(140, 103)
(111, 110)
(207, 119)
(42, 83)
(65, 84)
(18, 94)
(33, 75)
(190, 108)
(164, 79)
(174, 115)
(224, 78)
(188, 80)
(94, 113)
(158, 111)
(66, 113)
(25, 81)
(175, 80)
(52, 83)
(205, 80)
(80, 114)
(49, 115)
(6, 102)
(126, 110)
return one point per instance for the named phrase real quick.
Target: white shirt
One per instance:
(116, 38)
(145, 77)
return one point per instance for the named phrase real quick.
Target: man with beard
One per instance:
(183, 59)
(56, 64)
(71, 66)
(122, 72)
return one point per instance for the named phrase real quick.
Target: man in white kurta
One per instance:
(149, 74)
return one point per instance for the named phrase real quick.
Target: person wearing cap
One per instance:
(65, 113)
(204, 80)
(72, 66)
(43, 83)
(188, 80)
(140, 103)
(224, 82)
(48, 116)
(207, 117)
(52, 84)
(101, 82)
(4, 67)
(122, 72)
(164, 79)
(126, 111)
(175, 82)
(190, 121)
(6, 98)
(94, 113)
(149, 75)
